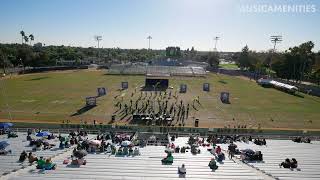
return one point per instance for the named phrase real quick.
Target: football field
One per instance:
(58, 96)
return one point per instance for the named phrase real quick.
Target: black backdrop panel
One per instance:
(160, 83)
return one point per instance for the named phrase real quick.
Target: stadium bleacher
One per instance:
(9, 163)
(167, 70)
(148, 164)
(276, 151)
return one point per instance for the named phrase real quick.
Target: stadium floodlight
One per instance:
(215, 44)
(149, 38)
(275, 40)
(98, 38)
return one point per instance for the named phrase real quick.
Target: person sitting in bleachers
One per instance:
(212, 164)
(5, 152)
(32, 158)
(61, 145)
(12, 134)
(218, 150)
(173, 138)
(48, 165)
(297, 140)
(286, 163)
(252, 156)
(293, 163)
(182, 171)
(307, 140)
(120, 151)
(220, 156)
(23, 156)
(66, 144)
(260, 142)
(130, 151)
(113, 149)
(125, 151)
(168, 159)
(29, 138)
(183, 149)
(40, 163)
(177, 150)
(46, 145)
(72, 141)
(108, 150)
(136, 152)
(194, 150)
(78, 161)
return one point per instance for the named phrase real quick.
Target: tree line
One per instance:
(298, 63)
(37, 55)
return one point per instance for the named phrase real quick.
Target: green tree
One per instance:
(213, 59)
(22, 36)
(25, 56)
(26, 39)
(243, 61)
(31, 38)
(3, 61)
(296, 63)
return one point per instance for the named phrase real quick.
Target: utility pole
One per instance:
(98, 38)
(149, 38)
(215, 44)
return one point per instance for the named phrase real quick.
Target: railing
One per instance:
(180, 131)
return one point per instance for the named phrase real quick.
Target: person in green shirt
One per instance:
(213, 164)
(41, 163)
(168, 159)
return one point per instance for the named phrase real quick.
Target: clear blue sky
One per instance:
(184, 23)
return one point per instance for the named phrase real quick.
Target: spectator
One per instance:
(286, 163)
(293, 163)
(23, 156)
(212, 164)
(231, 149)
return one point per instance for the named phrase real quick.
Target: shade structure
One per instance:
(5, 125)
(43, 134)
(4, 144)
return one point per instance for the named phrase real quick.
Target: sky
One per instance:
(184, 23)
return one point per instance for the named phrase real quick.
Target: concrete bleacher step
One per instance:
(146, 166)
(9, 163)
(277, 150)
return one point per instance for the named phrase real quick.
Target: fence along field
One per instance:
(57, 96)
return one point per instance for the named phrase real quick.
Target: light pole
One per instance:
(215, 44)
(274, 39)
(149, 38)
(98, 38)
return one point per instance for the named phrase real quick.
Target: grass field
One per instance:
(55, 96)
(228, 66)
